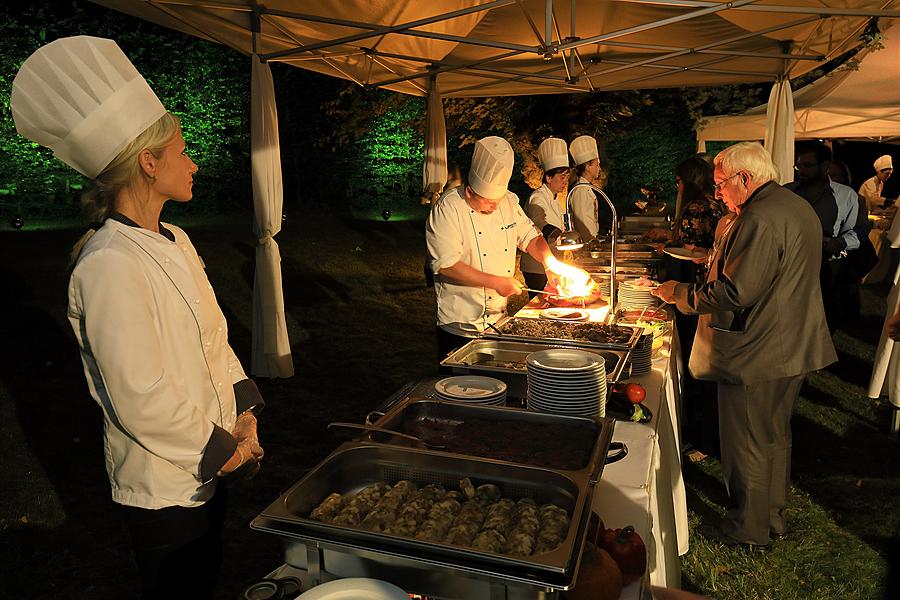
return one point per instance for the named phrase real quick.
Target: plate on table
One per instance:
(565, 314)
(355, 588)
(684, 253)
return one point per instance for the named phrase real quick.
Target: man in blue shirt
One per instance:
(837, 207)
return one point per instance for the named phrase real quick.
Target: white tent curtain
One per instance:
(780, 129)
(271, 351)
(434, 171)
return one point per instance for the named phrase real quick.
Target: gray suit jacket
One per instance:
(761, 313)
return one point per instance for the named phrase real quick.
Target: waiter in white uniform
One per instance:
(472, 235)
(873, 188)
(583, 202)
(544, 206)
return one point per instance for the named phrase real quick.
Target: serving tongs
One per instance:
(372, 428)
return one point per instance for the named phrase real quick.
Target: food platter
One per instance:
(565, 314)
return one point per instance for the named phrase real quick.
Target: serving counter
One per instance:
(645, 490)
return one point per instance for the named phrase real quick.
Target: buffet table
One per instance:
(645, 490)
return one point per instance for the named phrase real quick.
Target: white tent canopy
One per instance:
(862, 103)
(510, 47)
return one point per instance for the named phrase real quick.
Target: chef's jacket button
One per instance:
(479, 233)
(196, 300)
(485, 254)
(166, 261)
(508, 271)
(506, 249)
(219, 329)
(219, 384)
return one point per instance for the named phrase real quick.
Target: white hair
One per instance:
(749, 157)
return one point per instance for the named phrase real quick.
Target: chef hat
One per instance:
(883, 162)
(82, 98)
(553, 153)
(584, 149)
(492, 165)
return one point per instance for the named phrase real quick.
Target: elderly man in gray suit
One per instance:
(761, 330)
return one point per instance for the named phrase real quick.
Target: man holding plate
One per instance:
(761, 330)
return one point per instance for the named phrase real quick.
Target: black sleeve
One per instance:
(219, 449)
(548, 231)
(247, 396)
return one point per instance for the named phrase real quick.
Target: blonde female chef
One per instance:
(583, 202)
(178, 409)
(544, 207)
(472, 234)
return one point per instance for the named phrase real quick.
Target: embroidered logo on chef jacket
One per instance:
(510, 226)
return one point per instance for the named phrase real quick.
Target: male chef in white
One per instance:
(472, 235)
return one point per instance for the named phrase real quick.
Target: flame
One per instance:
(573, 282)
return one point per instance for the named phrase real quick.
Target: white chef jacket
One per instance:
(583, 206)
(454, 232)
(543, 209)
(154, 345)
(886, 367)
(871, 190)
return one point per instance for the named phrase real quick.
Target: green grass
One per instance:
(361, 324)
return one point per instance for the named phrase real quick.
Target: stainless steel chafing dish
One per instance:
(410, 562)
(630, 344)
(438, 570)
(505, 360)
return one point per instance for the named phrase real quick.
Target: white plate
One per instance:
(355, 588)
(469, 387)
(563, 359)
(684, 253)
(565, 314)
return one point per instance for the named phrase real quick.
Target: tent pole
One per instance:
(775, 8)
(548, 28)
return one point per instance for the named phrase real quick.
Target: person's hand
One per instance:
(245, 427)
(831, 246)
(246, 459)
(508, 286)
(665, 291)
(892, 326)
(552, 279)
(701, 259)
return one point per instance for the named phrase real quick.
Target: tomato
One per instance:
(627, 549)
(635, 392)
(599, 577)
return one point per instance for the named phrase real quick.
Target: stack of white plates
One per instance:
(472, 389)
(635, 293)
(642, 355)
(567, 381)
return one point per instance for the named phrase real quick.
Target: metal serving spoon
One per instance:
(412, 438)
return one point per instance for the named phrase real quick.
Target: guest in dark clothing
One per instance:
(837, 207)
(697, 213)
(863, 259)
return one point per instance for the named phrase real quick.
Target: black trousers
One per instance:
(179, 550)
(755, 433)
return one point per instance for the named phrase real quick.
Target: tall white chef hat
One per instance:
(584, 149)
(884, 162)
(492, 165)
(553, 153)
(82, 98)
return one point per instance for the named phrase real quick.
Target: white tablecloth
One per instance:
(646, 488)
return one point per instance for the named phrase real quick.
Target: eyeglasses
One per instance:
(806, 165)
(718, 186)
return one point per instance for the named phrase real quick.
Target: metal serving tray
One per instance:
(353, 466)
(415, 415)
(493, 335)
(505, 360)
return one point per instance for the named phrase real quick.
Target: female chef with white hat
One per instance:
(178, 409)
(872, 189)
(583, 202)
(543, 208)
(472, 234)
